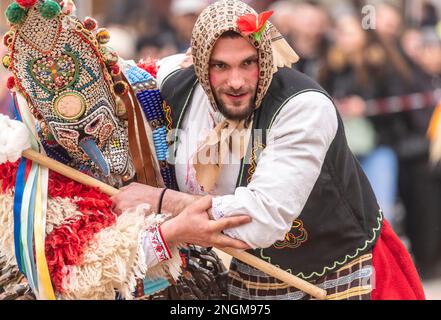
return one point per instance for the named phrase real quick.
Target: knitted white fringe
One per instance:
(115, 260)
(7, 228)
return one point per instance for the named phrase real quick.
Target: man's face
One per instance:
(234, 74)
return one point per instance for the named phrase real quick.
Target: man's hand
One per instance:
(194, 226)
(135, 194)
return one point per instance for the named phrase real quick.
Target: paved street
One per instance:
(433, 289)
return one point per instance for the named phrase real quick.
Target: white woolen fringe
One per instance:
(7, 228)
(116, 259)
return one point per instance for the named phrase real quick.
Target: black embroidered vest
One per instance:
(341, 219)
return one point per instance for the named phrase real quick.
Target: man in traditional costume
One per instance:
(78, 103)
(267, 141)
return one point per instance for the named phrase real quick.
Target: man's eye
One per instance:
(249, 62)
(219, 66)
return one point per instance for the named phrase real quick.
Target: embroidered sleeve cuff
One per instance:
(158, 244)
(218, 211)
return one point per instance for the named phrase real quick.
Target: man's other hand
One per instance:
(194, 226)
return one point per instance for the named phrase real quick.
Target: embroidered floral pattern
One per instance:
(55, 73)
(295, 238)
(161, 250)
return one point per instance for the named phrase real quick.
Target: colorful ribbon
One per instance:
(30, 206)
(26, 232)
(44, 279)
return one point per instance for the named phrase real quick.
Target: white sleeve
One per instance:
(286, 172)
(149, 252)
(167, 66)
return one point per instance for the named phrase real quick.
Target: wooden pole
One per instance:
(243, 256)
(276, 272)
(68, 172)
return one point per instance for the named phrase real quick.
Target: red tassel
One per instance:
(10, 84)
(8, 173)
(115, 70)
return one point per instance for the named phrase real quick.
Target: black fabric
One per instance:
(341, 219)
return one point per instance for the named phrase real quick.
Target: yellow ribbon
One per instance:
(44, 279)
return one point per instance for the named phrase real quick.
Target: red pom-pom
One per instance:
(10, 83)
(115, 69)
(7, 38)
(26, 3)
(90, 24)
(150, 66)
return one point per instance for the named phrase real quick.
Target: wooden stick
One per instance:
(243, 256)
(68, 172)
(278, 273)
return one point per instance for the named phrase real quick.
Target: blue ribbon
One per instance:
(153, 286)
(18, 197)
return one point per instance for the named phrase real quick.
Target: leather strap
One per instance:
(138, 142)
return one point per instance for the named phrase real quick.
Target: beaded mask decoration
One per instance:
(65, 71)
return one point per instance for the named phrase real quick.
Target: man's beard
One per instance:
(231, 115)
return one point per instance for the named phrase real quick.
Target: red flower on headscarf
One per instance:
(251, 24)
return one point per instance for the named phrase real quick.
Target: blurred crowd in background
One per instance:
(363, 53)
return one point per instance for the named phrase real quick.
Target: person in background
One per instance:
(412, 44)
(355, 73)
(183, 15)
(430, 57)
(308, 36)
(421, 178)
(419, 187)
(157, 46)
(283, 10)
